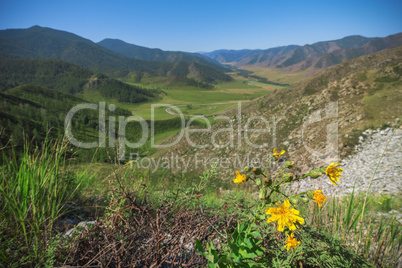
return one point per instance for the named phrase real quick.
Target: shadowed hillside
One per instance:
(155, 54)
(67, 78)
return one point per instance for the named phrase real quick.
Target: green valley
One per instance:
(42, 86)
(119, 155)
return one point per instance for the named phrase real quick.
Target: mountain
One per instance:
(350, 97)
(229, 55)
(40, 42)
(313, 58)
(66, 78)
(155, 54)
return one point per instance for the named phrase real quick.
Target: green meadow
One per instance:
(195, 101)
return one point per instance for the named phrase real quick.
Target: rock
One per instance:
(361, 167)
(83, 225)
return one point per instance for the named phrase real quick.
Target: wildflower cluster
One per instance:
(130, 163)
(284, 212)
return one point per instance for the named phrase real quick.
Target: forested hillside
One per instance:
(36, 113)
(67, 78)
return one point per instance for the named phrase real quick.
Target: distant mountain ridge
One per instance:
(156, 54)
(41, 42)
(315, 57)
(117, 58)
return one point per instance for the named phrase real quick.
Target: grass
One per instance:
(33, 194)
(276, 75)
(370, 234)
(30, 208)
(201, 109)
(237, 90)
(266, 85)
(383, 106)
(93, 96)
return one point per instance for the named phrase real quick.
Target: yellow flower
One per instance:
(333, 172)
(319, 197)
(130, 163)
(240, 178)
(291, 242)
(285, 216)
(277, 155)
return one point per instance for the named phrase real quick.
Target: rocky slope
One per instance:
(375, 166)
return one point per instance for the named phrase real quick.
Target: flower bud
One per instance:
(310, 194)
(258, 182)
(262, 194)
(289, 164)
(267, 182)
(247, 168)
(304, 198)
(294, 200)
(287, 176)
(315, 173)
(257, 171)
(322, 169)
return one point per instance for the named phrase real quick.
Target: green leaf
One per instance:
(199, 249)
(246, 254)
(211, 265)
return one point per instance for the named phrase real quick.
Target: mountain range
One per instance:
(311, 58)
(117, 58)
(41, 42)
(156, 54)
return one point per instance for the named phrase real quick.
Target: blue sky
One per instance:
(206, 25)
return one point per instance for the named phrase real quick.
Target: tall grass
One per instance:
(32, 193)
(356, 221)
(376, 235)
